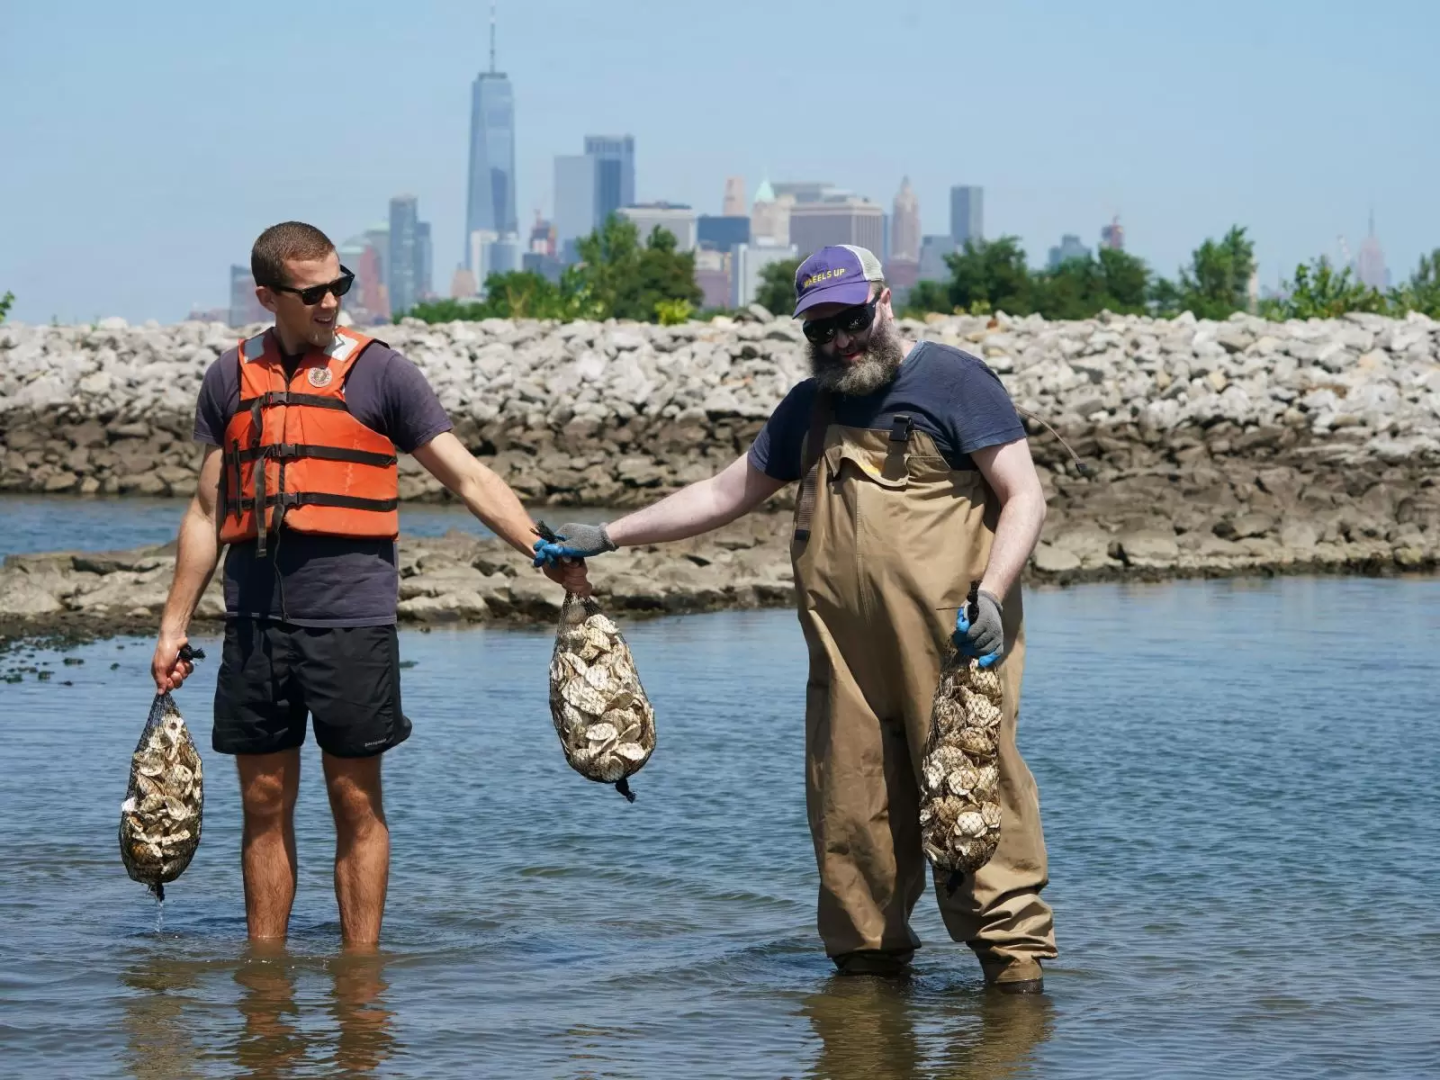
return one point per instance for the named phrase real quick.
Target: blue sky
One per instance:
(144, 146)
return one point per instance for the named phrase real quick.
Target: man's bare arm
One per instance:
(734, 491)
(1010, 472)
(484, 494)
(490, 499)
(197, 551)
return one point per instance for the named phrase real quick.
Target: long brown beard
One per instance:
(868, 372)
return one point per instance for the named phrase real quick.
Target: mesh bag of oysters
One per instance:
(959, 774)
(160, 818)
(605, 722)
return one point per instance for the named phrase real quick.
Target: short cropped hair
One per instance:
(288, 240)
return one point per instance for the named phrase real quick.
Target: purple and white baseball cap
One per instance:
(839, 274)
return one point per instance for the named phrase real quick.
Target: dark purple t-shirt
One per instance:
(326, 580)
(950, 395)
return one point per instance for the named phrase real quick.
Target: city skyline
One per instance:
(152, 207)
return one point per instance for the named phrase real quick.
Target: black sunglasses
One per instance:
(315, 293)
(852, 320)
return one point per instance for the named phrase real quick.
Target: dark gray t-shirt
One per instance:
(952, 396)
(326, 580)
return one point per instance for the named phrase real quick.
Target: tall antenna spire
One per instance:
(492, 39)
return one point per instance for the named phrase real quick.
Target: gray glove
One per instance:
(985, 637)
(573, 541)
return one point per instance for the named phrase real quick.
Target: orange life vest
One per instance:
(294, 451)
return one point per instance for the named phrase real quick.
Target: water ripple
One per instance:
(1240, 802)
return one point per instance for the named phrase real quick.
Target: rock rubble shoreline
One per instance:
(1238, 447)
(459, 579)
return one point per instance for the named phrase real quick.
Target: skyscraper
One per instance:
(678, 221)
(401, 261)
(490, 204)
(967, 214)
(589, 187)
(905, 225)
(734, 205)
(1069, 248)
(614, 157)
(747, 263)
(491, 253)
(722, 233)
(712, 274)
(542, 236)
(1112, 236)
(1370, 263)
(933, 250)
(575, 190)
(367, 301)
(770, 216)
(424, 262)
(813, 225)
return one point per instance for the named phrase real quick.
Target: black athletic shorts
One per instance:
(273, 673)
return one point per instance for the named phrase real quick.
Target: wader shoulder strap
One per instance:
(814, 450)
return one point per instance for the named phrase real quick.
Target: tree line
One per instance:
(616, 277)
(994, 275)
(620, 277)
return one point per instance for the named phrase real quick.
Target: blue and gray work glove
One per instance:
(573, 541)
(978, 631)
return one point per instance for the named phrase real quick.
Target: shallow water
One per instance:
(1239, 782)
(31, 523)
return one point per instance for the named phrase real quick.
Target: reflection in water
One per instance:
(269, 1042)
(159, 1041)
(171, 1021)
(357, 1003)
(894, 1029)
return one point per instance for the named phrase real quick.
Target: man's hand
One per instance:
(572, 575)
(573, 541)
(166, 667)
(985, 637)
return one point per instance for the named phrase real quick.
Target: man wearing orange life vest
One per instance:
(301, 427)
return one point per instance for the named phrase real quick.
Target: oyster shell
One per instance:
(601, 714)
(959, 772)
(161, 816)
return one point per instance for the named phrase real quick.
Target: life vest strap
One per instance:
(290, 451)
(291, 499)
(272, 398)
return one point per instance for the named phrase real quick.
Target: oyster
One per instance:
(600, 711)
(161, 815)
(959, 773)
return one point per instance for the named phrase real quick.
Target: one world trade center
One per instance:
(490, 202)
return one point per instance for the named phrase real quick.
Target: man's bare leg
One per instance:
(362, 846)
(268, 786)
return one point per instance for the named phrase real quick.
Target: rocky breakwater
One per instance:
(1207, 447)
(456, 578)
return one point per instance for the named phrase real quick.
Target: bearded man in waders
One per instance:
(917, 481)
(301, 427)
